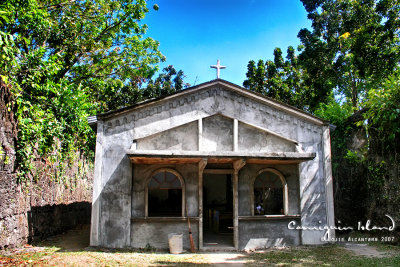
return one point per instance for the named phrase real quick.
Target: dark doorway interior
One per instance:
(218, 210)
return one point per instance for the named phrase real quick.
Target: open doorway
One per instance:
(218, 210)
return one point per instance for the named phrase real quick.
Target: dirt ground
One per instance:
(365, 250)
(72, 249)
(77, 239)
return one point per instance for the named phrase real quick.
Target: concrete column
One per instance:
(237, 165)
(200, 134)
(202, 165)
(97, 186)
(328, 179)
(235, 135)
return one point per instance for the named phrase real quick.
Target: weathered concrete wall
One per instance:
(115, 203)
(141, 173)
(258, 234)
(192, 106)
(180, 138)
(156, 233)
(115, 197)
(217, 134)
(252, 139)
(312, 193)
(249, 172)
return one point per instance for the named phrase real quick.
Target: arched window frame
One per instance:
(146, 200)
(285, 190)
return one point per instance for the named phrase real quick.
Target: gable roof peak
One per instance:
(227, 85)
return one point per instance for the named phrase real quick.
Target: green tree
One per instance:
(167, 82)
(260, 77)
(353, 47)
(249, 83)
(66, 60)
(97, 44)
(354, 44)
(281, 79)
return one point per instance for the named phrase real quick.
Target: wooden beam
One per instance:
(220, 160)
(238, 164)
(158, 160)
(273, 161)
(163, 219)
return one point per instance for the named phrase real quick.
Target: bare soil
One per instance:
(77, 239)
(365, 250)
(72, 249)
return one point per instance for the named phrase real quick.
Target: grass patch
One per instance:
(332, 255)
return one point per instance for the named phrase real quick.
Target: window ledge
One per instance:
(269, 217)
(162, 219)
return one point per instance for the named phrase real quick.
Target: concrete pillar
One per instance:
(328, 179)
(97, 186)
(235, 134)
(237, 165)
(202, 165)
(200, 134)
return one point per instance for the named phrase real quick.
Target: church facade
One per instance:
(247, 171)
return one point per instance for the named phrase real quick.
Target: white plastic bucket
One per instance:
(175, 243)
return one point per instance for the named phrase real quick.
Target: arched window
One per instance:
(165, 194)
(269, 193)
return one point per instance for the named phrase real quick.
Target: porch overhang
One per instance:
(182, 157)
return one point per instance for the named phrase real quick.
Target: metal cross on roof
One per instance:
(218, 67)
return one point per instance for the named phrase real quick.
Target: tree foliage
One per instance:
(346, 71)
(383, 112)
(359, 41)
(64, 60)
(352, 48)
(167, 82)
(284, 80)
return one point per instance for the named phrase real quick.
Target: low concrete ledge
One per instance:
(163, 219)
(269, 217)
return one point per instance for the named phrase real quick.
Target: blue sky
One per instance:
(193, 34)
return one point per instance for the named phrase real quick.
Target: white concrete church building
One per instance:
(248, 171)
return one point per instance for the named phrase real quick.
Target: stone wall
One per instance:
(367, 187)
(56, 204)
(45, 205)
(13, 223)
